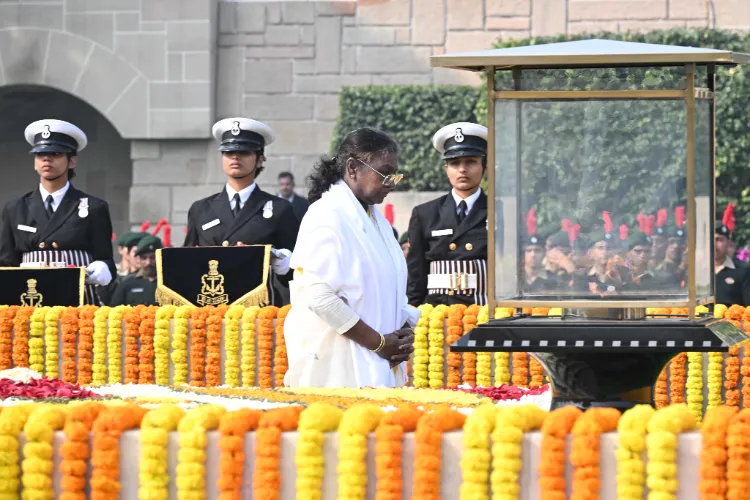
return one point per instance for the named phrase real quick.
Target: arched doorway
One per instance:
(104, 167)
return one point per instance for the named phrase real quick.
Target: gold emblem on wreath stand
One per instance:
(212, 287)
(31, 297)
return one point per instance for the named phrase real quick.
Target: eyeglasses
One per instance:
(388, 180)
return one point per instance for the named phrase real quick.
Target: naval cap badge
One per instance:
(236, 128)
(459, 136)
(46, 132)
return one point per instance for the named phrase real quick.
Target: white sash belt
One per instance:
(455, 281)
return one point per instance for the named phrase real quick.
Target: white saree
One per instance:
(357, 256)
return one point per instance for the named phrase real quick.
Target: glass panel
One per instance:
(704, 186)
(649, 78)
(560, 165)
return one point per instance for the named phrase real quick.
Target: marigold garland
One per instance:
(198, 346)
(146, 355)
(510, 425)
(114, 344)
(631, 436)
(21, 336)
(86, 343)
(75, 450)
(521, 369)
(191, 459)
(502, 373)
(99, 366)
(232, 429)
(584, 456)
(267, 473)
(161, 343)
(105, 458)
(714, 378)
(537, 373)
(421, 348)
(661, 444)
(69, 322)
(36, 339)
(248, 355)
(265, 345)
(436, 351)
(677, 378)
(732, 377)
(428, 452)
(51, 343)
(213, 346)
(484, 359)
(132, 319)
(738, 455)
(6, 336)
(555, 429)
(232, 345)
(179, 353)
(695, 384)
(153, 476)
(39, 431)
(12, 421)
(389, 438)
(713, 470)
(469, 374)
(356, 424)
(476, 457)
(280, 361)
(660, 390)
(454, 332)
(314, 422)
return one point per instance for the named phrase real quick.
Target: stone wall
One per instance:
(162, 71)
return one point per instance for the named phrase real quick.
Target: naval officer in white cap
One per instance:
(447, 258)
(57, 223)
(243, 214)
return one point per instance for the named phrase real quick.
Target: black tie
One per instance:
(461, 211)
(236, 210)
(48, 206)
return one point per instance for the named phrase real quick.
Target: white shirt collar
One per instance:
(728, 263)
(291, 197)
(244, 194)
(469, 201)
(57, 196)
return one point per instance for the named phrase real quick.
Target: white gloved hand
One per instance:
(98, 273)
(280, 260)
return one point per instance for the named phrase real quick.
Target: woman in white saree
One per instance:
(348, 326)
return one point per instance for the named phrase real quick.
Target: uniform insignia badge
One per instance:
(83, 208)
(268, 210)
(236, 128)
(459, 137)
(46, 132)
(28, 229)
(729, 281)
(209, 225)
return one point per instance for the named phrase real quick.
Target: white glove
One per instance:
(280, 261)
(97, 273)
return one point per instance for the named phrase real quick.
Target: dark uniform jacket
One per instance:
(211, 223)
(300, 206)
(133, 291)
(733, 285)
(467, 242)
(72, 235)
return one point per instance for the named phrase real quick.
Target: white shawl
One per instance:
(364, 265)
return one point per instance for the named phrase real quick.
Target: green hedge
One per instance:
(413, 113)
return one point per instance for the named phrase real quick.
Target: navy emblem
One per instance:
(459, 137)
(46, 132)
(236, 128)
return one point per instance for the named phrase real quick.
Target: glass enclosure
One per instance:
(591, 192)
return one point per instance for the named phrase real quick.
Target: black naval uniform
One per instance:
(733, 284)
(77, 237)
(211, 223)
(440, 245)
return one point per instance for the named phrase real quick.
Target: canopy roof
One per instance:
(587, 53)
